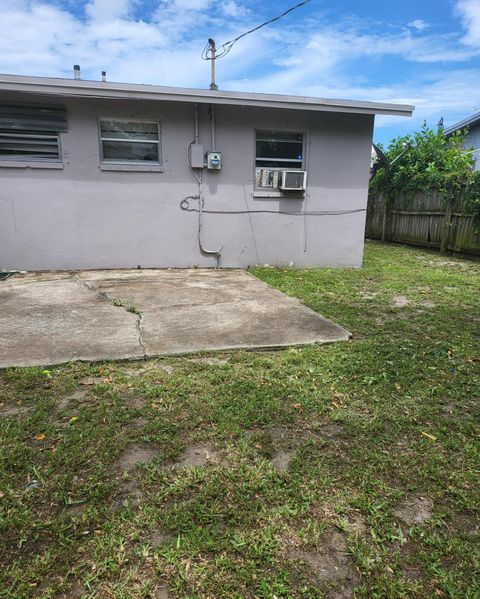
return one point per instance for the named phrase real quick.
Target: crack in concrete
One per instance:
(111, 300)
(102, 294)
(140, 335)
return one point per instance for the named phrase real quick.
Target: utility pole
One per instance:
(213, 55)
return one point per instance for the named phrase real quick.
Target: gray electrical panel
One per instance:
(197, 156)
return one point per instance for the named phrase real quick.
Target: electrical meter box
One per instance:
(214, 161)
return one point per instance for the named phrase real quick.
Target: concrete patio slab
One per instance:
(52, 318)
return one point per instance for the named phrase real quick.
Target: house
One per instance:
(96, 174)
(472, 137)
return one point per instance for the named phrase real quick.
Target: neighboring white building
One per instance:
(109, 175)
(472, 138)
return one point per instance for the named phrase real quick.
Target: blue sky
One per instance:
(422, 52)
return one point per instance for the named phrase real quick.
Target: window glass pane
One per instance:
(289, 164)
(124, 150)
(279, 149)
(279, 136)
(128, 130)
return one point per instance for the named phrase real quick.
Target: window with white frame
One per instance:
(276, 151)
(31, 132)
(129, 141)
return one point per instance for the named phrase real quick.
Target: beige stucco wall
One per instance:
(83, 217)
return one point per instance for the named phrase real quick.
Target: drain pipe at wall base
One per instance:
(201, 201)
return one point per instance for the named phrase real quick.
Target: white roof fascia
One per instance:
(127, 91)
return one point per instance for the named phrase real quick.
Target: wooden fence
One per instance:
(424, 220)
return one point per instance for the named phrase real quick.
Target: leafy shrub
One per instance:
(434, 163)
(472, 197)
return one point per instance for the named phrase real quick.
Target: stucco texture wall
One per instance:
(82, 217)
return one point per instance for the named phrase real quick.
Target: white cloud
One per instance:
(233, 9)
(106, 10)
(190, 4)
(469, 11)
(419, 24)
(333, 49)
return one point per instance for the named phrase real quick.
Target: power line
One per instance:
(227, 46)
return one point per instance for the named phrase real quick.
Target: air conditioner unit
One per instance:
(293, 181)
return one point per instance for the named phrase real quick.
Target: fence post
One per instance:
(387, 215)
(447, 225)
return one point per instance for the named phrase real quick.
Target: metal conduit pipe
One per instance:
(198, 177)
(212, 123)
(195, 124)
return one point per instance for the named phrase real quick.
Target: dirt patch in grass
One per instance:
(449, 409)
(355, 524)
(129, 492)
(196, 455)
(331, 431)
(135, 371)
(135, 455)
(448, 263)
(453, 410)
(368, 295)
(90, 381)
(10, 410)
(415, 511)
(466, 524)
(210, 361)
(139, 423)
(281, 460)
(74, 509)
(412, 573)
(329, 563)
(167, 368)
(156, 537)
(428, 304)
(292, 437)
(128, 480)
(400, 301)
(136, 402)
(77, 397)
(281, 443)
(148, 369)
(76, 591)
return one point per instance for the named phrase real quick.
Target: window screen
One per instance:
(129, 141)
(282, 150)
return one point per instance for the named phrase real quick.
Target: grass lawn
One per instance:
(331, 471)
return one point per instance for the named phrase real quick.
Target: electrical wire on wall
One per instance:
(185, 205)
